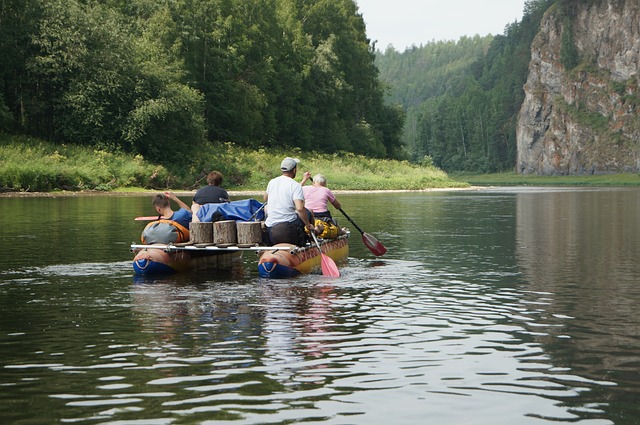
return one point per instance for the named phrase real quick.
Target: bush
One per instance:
(33, 165)
(30, 165)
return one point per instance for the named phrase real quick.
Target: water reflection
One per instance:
(249, 339)
(491, 307)
(581, 250)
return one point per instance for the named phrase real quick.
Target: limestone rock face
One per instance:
(584, 120)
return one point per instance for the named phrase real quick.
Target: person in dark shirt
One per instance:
(212, 193)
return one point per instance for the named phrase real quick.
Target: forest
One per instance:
(163, 79)
(160, 78)
(462, 97)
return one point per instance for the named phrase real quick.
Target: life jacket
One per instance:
(330, 230)
(164, 231)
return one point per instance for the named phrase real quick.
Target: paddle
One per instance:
(257, 211)
(329, 267)
(148, 218)
(372, 243)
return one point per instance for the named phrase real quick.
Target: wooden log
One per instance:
(224, 233)
(200, 232)
(249, 233)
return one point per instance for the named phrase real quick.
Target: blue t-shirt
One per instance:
(182, 216)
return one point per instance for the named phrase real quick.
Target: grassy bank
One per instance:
(513, 179)
(31, 165)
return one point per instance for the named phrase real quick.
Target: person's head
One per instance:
(289, 166)
(214, 178)
(320, 180)
(160, 201)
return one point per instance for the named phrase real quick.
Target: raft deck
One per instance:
(171, 247)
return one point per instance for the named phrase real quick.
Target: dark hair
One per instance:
(214, 178)
(161, 200)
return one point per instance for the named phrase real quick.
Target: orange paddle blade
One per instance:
(147, 218)
(329, 267)
(373, 244)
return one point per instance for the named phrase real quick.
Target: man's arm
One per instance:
(181, 204)
(195, 207)
(302, 213)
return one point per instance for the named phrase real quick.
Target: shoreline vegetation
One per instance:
(33, 167)
(514, 179)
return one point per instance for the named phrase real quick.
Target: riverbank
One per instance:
(513, 179)
(187, 194)
(475, 183)
(31, 165)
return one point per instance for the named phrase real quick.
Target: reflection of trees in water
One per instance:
(578, 237)
(580, 253)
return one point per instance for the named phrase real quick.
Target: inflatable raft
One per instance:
(275, 262)
(163, 259)
(163, 251)
(279, 261)
(285, 260)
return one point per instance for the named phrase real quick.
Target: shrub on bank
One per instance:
(31, 165)
(28, 164)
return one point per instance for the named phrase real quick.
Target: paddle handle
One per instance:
(351, 221)
(315, 239)
(257, 211)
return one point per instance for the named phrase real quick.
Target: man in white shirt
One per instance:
(286, 215)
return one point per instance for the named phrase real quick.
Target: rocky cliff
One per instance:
(580, 116)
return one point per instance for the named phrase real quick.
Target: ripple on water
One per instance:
(391, 341)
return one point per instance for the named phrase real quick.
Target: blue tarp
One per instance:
(235, 210)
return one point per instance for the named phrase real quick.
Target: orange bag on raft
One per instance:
(164, 231)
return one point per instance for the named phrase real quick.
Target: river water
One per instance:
(496, 306)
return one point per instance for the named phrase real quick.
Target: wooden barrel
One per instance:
(224, 233)
(249, 233)
(200, 232)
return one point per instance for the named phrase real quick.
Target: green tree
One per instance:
(158, 77)
(568, 52)
(229, 49)
(166, 122)
(462, 98)
(348, 94)
(86, 50)
(18, 21)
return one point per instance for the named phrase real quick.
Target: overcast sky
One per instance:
(406, 22)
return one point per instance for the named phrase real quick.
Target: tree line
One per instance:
(462, 97)
(161, 77)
